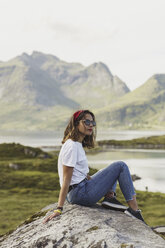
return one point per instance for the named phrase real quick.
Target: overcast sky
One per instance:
(127, 35)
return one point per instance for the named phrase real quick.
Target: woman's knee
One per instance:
(121, 164)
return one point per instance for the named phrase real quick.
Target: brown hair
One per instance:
(72, 132)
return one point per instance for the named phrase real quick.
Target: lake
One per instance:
(54, 138)
(148, 164)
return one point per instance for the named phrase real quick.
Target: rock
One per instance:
(135, 177)
(30, 152)
(14, 166)
(159, 229)
(82, 227)
(43, 156)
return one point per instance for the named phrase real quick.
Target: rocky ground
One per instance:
(83, 227)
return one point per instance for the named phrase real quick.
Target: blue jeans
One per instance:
(88, 192)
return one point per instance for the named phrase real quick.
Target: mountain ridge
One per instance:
(47, 71)
(41, 91)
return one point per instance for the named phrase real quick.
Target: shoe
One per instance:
(134, 214)
(113, 203)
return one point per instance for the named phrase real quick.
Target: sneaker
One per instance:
(134, 214)
(113, 203)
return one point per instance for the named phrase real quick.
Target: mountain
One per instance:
(40, 90)
(45, 80)
(23, 81)
(95, 86)
(143, 107)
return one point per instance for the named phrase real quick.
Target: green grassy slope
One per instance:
(142, 108)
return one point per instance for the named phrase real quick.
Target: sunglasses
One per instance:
(88, 122)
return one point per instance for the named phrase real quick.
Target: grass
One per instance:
(153, 142)
(16, 207)
(35, 184)
(14, 150)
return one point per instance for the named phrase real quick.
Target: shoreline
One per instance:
(152, 142)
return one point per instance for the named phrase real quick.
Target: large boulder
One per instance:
(83, 227)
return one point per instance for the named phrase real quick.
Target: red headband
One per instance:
(76, 114)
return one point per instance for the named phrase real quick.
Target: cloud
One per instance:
(64, 28)
(81, 34)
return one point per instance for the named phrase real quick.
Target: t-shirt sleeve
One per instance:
(69, 155)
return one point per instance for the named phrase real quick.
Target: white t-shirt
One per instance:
(72, 154)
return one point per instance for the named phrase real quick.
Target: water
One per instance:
(34, 140)
(127, 134)
(55, 138)
(148, 164)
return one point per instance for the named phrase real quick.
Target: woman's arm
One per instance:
(67, 175)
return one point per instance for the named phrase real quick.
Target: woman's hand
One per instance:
(51, 217)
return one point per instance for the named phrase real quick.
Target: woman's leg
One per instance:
(102, 182)
(90, 191)
(105, 181)
(112, 192)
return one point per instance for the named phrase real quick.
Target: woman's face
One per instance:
(83, 128)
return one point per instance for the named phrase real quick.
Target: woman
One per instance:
(77, 186)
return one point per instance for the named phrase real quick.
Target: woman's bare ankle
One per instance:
(133, 204)
(110, 195)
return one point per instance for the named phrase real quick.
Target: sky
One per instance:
(127, 35)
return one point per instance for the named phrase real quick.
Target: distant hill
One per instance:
(143, 107)
(40, 91)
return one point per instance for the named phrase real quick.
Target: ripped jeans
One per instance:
(88, 192)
